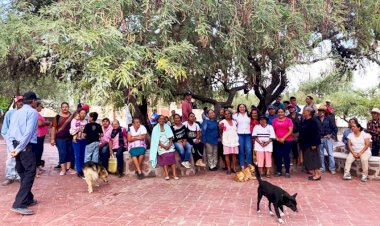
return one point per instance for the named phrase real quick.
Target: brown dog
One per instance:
(245, 174)
(92, 172)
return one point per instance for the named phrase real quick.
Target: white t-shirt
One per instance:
(264, 134)
(243, 123)
(192, 133)
(358, 143)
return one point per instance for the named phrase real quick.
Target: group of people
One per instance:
(239, 137)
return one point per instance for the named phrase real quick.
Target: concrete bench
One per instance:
(340, 156)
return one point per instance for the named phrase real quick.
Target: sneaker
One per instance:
(184, 164)
(7, 182)
(287, 175)
(333, 172)
(347, 176)
(187, 165)
(278, 174)
(23, 211)
(33, 202)
(62, 173)
(322, 170)
(364, 178)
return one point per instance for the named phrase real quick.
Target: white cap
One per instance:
(375, 110)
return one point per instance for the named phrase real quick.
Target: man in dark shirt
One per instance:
(296, 119)
(92, 131)
(327, 130)
(373, 128)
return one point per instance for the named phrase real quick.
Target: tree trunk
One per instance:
(139, 110)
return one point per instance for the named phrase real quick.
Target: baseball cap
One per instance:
(188, 93)
(30, 96)
(18, 98)
(85, 107)
(270, 107)
(291, 106)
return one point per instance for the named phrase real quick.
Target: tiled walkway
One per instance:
(209, 198)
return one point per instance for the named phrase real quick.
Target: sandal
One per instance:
(314, 179)
(71, 172)
(62, 173)
(176, 178)
(167, 178)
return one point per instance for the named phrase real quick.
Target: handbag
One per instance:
(112, 164)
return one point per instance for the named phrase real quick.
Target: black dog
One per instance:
(275, 195)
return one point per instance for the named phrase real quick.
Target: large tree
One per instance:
(140, 51)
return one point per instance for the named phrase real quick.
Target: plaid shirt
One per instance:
(373, 128)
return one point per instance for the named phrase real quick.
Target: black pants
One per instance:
(295, 149)
(38, 149)
(282, 155)
(198, 150)
(104, 155)
(119, 159)
(26, 168)
(375, 148)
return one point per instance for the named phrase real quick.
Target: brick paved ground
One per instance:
(209, 198)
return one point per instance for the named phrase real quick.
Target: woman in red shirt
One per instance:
(42, 130)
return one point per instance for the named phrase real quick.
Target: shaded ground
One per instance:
(209, 198)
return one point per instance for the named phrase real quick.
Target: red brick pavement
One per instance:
(209, 198)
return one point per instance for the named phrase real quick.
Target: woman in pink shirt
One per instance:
(283, 128)
(42, 130)
(118, 143)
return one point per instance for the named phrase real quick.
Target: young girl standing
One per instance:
(263, 135)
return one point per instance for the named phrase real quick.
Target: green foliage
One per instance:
(157, 49)
(4, 103)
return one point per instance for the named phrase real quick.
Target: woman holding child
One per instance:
(79, 141)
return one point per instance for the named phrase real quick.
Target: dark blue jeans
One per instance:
(245, 149)
(104, 155)
(79, 148)
(375, 148)
(64, 150)
(282, 155)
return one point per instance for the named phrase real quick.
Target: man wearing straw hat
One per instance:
(373, 128)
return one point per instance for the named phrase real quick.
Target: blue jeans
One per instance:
(245, 149)
(91, 152)
(184, 152)
(10, 166)
(64, 150)
(282, 155)
(79, 149)
(327, 144)
(104, 155)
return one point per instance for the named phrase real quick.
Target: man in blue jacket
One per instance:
(10, 164)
